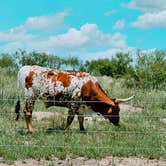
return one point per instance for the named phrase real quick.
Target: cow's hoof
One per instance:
(83, 131)
(30, 131)
(66, 131)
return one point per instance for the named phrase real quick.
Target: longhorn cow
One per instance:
(68, 89)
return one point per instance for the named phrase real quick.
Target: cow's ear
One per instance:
(115, 101)
(86, 98)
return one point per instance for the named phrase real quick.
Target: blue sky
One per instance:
(88, 29)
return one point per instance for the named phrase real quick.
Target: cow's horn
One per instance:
(123, 100)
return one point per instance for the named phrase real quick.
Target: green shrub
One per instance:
(7, 61)
(150, 70)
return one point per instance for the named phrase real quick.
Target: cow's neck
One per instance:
(100, 107)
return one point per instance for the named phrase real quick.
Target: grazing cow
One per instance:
(67, 89)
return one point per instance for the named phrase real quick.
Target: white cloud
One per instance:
(108, 53)
(147, 5)
(21, 32)
(10, 47)
(150, 20)
(87, 37)
(20, 36)
(154, 13)
(97, 38)
(110, 13)
(119, 24)
(15, 35)
(48, 22)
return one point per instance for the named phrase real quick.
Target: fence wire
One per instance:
(80, 101)
(16, 128)
(81, 147)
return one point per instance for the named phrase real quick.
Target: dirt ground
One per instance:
(80, 161)
(123, 107)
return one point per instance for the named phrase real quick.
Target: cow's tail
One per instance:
(17, 109)
(17, 106)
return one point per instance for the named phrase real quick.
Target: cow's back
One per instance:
(41, 80)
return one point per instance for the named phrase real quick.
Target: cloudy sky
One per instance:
(84, 28)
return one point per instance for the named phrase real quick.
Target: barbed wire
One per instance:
(88, 131)
(81, 101)
(86, 115)
(81, 147)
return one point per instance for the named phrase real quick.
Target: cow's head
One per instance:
(97, 99)
(112, 113)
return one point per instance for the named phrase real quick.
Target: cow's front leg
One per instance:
(29, 105)
(80, 114)
(81, 121)
(70, 118)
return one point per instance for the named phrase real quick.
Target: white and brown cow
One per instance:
(64, 88)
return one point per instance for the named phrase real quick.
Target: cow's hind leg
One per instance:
(29, 105)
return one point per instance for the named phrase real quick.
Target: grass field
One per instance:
(140, 133)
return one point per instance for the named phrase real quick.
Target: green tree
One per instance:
(122, 63)
(7, 60)
(72, 62)
(41, 59)
(150, 69)
(118, 66)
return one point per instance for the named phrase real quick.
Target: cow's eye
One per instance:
(86, 98)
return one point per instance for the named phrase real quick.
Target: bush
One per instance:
(41, 59)
(6, 61)
(150, 70)
(118, 66)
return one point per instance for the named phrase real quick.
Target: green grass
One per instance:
(139, 134)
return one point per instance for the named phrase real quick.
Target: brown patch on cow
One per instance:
(77, 74)
(94, 92)
(64, 78)
(29, 79)
(91, 94)
(52, 75)
(101, 91)
(100, 88)
(72, 72)
(87, 91)
(60, 76)
(82, 74)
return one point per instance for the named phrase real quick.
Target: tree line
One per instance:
(147, 70)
